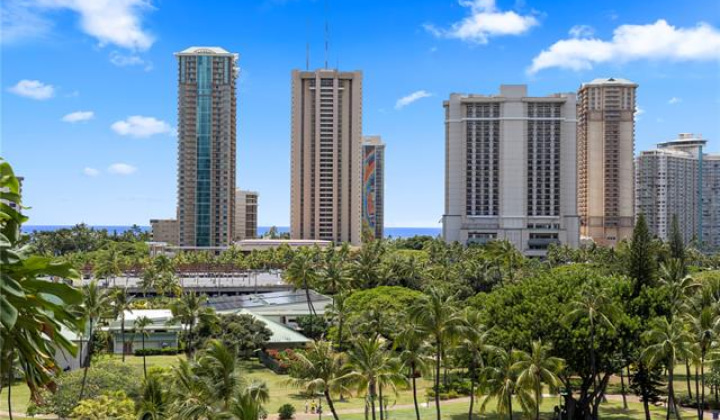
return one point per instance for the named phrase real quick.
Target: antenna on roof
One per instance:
(327, 33)
(307, 45)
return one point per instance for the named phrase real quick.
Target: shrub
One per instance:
(156, 352)
(103, 378)
(286, 412)
(115, 405)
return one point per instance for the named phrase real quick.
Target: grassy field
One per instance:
(282, 392)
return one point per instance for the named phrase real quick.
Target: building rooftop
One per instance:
(610, 81)
(207, 51)
(275, 302)
(280, 334)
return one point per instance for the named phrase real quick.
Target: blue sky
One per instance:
(89, 86)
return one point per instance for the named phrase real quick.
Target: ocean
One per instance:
(390, 232)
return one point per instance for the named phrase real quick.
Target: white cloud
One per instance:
(121, 169)
(19, 22)
(140, 126)
(117, 22)
(656, 41)
(484, 22)
(78, 116)
(582, 31)
(123, 60)
(407, 100)
(638, 112)
(92, 172)
(33, 89)
(674, 100)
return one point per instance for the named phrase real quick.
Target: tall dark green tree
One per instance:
(641, 261)
(677, 243)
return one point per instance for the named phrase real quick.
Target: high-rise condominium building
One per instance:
(373, 192)
(246, 213)
(510, 169)
(678, 180)
(326, 170)
(206, 146)
(606, 141)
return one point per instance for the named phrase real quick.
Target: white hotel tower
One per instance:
(679, 179)
(510, 169)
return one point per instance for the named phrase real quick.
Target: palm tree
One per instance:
(667, 342)
(337, 313)
(190, 394)
(334, 276)
(595, 305)
(436, 316)
(121, 304)
(96, 301)
(365, 268)
(212, 388)
(704, 328)
(148, 280)
(371, 367)
(474, 346)
(140, 324)
(187, 309)
(153, 403)
(109, 265)
(317, 370)
(500, 378)
(219, 365)
(680, 286)
(413, 354)
(301, 274)
(537, 368)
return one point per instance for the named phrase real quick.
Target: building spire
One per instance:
(327, 34)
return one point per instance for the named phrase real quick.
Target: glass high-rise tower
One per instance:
(206, 146)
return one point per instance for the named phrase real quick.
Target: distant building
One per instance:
(246, 213)
(281, 307)
(606, 142)
(206, 146)
(373, 185)
(326, 170)
(510, 169)
(165, 230)
(679, 179)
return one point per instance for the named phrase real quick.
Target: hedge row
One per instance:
(157, 352)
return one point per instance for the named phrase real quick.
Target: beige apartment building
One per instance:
(679, 180)
(326, 167)
(510, 169)
(165, 230)
(606, 144)
(206, 146)
(246, 213)
(373, 186)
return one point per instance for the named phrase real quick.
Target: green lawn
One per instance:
(281, 392)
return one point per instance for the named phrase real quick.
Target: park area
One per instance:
(400, 406)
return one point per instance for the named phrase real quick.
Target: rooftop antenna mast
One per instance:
(307, 45)
(327, 34)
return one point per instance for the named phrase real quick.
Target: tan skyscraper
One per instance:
(206, 146)
(326, 172)
(606, 143)
(246, 213)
